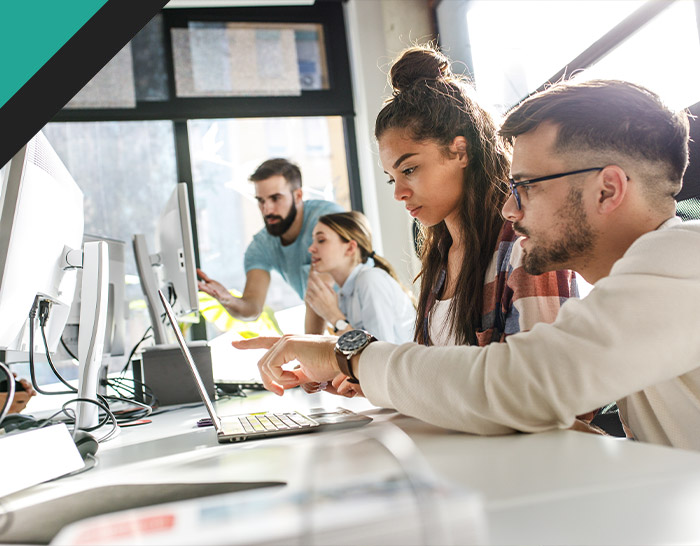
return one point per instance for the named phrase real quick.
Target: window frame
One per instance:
(337, 100)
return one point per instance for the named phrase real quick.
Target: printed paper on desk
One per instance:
(376, 512)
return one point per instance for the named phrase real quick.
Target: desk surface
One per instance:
(560, 487)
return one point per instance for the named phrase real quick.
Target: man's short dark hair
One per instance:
(609, 117)
(278, 167)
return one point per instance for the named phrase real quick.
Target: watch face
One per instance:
(352, 340)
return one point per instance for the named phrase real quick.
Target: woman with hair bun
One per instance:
(370, 296)
(449, 168)
(441, 152)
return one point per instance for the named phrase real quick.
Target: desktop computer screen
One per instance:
(171, 268)
(40, 224)
(175, 246)
(41, 248)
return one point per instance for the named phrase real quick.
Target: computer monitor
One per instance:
(172, 267)
(116, 321)
(40, 224)
(41, 232)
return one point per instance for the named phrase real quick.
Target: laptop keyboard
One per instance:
(268, 422)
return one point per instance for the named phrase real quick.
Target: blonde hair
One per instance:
(354, 226)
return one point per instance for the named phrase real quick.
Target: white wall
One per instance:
(377, 31)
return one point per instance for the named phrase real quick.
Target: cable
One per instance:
(48, 357)
(10, 391)
(35, 384)
(65, 348)
(102, 405)
(117, 384)
(128, 393)
(127, 416)
(133, 351)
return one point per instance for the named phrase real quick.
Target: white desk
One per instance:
(559, 487)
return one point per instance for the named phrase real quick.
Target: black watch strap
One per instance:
(335, 325)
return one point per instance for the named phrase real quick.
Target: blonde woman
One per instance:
(370, 296)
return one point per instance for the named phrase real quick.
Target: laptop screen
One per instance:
(190, 362)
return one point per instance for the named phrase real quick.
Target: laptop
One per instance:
(236, 428)
(244, 375)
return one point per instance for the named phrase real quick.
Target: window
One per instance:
(248, 59)
(654, 44)
(516, 46)
(113, 162)
(659, 56)
(203, 96)
(225, 153)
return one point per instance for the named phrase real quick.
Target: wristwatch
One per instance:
(339, 325)
(350, 344)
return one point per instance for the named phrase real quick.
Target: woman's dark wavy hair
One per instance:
(433, 104)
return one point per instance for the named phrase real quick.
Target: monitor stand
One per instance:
(93, 323)
(149, 284)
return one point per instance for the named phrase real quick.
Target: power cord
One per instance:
(103, 403)
(32, 375)
(67, 349)
(120, 384)
(44, 309)
(133, 351)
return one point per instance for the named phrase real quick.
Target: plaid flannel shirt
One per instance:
(515, 301)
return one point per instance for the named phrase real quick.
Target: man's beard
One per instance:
(575, 241)
(280, 228)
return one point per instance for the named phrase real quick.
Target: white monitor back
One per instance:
(175, 249)
(42, 218)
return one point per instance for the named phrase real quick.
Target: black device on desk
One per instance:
(156, 371)
(236, 428)
(3, 386)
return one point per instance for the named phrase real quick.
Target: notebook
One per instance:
(236, 428)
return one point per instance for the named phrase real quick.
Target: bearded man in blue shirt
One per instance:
(281, 246)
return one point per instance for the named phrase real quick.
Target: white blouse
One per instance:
(372, 300)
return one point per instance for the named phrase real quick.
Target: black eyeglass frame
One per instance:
(515, 185)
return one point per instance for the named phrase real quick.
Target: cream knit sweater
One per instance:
(635, 339)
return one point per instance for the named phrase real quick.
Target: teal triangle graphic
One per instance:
(32, 32)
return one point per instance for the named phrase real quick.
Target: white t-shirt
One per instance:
(440, 333)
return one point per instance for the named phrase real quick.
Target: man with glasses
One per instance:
(281, 246)
(595, 168)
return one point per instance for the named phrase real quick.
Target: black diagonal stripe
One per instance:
(67, 72)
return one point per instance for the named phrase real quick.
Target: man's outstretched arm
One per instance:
(250, 304)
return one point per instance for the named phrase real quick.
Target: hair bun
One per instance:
(416, 64)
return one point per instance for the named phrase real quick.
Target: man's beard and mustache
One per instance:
(280, 228)
(576, 240)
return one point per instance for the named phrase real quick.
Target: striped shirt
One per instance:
(514, 301)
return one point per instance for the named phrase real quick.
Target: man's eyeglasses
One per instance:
(515, 185)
